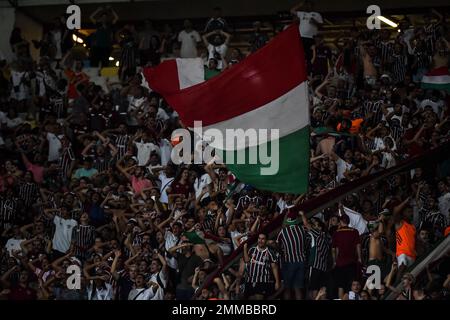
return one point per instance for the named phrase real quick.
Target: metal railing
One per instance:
(317, 204)
(436, 253)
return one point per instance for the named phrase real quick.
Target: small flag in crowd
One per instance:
(356, 220)
(438, 79)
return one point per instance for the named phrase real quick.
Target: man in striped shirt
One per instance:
(398, 65)
(385, 47)
(83, 236)
(262, 270)
(66, 160)
(292, 240)
(28, 190)
(372, 108)
(9, 206)
(319, 254)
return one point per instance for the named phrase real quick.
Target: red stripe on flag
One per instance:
(442, 71)
(262, 77)
(164, 77)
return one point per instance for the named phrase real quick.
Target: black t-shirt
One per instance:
(125, 285)
(186, 267)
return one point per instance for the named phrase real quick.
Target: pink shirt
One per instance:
(140, 184)
(38, 172)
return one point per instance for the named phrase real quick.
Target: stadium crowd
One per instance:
(86, 181)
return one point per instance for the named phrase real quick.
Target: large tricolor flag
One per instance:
(267, 90)
(438, 78)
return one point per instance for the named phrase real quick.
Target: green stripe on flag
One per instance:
(443, 86)
(293, 168)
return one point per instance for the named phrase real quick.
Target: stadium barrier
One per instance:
(312, 206)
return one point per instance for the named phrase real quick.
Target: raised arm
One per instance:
(227, 37)
(305, 220)
(245, 251)
(87, 148)
(115, 16)
(205, 38)
(122, 169)
(439, 16)
(93, 14)
(399, 208)
(326, 81)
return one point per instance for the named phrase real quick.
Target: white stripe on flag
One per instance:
(288, 113)
(190, 72)
(436, 79)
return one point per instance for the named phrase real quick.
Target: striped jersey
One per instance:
(320, 249)
(28, 192)
(385, 50)
(8, 212)
(83, 237)
(375, 108)
(433, 219)
(431, 32)
(293, 243)
(67, 156)
(398, 67)
(423, 58)
(259, 268)
(121, 142)
(246, 200)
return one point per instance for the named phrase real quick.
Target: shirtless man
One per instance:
(326, 145)
(370, 72)
(376, 245)
(441, 57)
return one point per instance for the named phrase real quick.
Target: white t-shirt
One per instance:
(12, 123)
(101, 293)
(171, 241)
(166, 151)
(222, 50)
(20, 91)
(13, 244)
(308, 29)
(144, 151)
(54, 146)
(234, 235)
(200, 183)
(57, 38)
(444, 205)
(437, 106)
(133, 104)
(162, 115)
(159, 294)
(388, 160)
(136, 294)
(165, 183)
(378, 144)
(341, 167)
(63, 233)
(189, 43)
